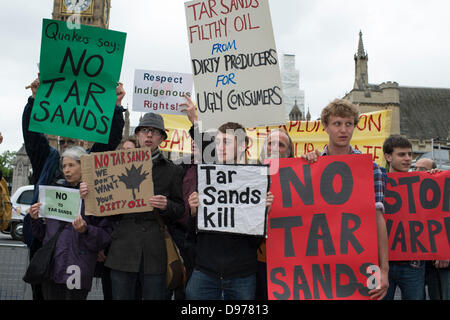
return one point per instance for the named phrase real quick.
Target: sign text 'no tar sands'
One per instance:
(79, 72)
(119, 181)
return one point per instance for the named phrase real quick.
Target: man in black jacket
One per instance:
(225, 264)
(137, 256)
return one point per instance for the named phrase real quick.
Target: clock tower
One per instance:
(89, 12)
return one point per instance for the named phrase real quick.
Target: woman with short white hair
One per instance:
(79, 242)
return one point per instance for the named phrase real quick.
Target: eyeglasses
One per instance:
(63, 142)
(154, 131)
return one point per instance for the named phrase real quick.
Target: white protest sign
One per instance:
(59, 203)
(161, 92)
(232, 198)
(235, 63)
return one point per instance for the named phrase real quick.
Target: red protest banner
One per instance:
(418, 215)
(322, 232)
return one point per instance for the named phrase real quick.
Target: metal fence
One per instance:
(13, 264)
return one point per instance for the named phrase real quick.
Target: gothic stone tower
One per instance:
(361, 72)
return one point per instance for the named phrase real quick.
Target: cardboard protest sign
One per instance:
(119, 181)
(322, 231)
(232, 198)
(79, 71)
(161, 92)
(307, 136)
(417, 216)
(234, 63)
(59, 203)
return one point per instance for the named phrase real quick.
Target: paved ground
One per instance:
(13, 263)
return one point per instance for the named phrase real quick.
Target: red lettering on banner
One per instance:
(367, 121)
(320, 239)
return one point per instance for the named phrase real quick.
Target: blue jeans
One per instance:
(137, 285)
(205, 287)
(409, 277)
(438, 282)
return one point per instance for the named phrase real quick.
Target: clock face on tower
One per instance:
(77, 5)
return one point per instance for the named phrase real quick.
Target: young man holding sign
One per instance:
(339, 120)
(409, 276)
(225, 264)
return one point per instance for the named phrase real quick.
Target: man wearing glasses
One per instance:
(137, 255)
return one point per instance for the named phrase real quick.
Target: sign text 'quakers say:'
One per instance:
(232, 198)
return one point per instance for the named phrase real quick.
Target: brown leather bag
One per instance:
(176, 272)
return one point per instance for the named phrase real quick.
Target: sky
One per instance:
(406, 40)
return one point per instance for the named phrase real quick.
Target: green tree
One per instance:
(7, 164)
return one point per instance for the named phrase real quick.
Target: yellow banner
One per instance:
(368, 137)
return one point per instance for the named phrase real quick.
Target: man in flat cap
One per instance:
(138, 252)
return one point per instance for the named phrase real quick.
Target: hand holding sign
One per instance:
(194, 203)
(190, 110)
(159, 202)
(79, 224)
(120, 92)
(34, 86)
(34, 210)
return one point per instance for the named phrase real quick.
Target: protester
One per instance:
(339, 119)
(79, 242)
(137, 254)
(409, 276)
(437, 273)
(129, 143)
(45, 160)
(278, 144)
(225, 264)
(100, 270)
